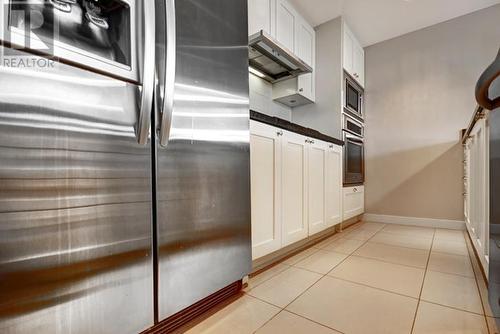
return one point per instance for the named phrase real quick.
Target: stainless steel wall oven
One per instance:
(354, 155)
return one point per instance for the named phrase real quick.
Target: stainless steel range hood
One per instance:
(272, 61)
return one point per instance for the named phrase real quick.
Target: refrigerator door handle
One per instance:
(148, 79)
(170, 51)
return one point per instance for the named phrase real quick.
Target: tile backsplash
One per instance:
(261, 99)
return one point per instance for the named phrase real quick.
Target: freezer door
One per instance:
(203, 188)
(75, 203)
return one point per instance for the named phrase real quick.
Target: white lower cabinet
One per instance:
(265, 158)
(353, 202)
(333, 182)
(296, 187)
(316, 185)
(295, 226)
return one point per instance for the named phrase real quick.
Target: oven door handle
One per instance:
(354, 138)
(170, 65)
(148, 79)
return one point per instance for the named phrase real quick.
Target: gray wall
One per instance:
(324, 115)
(419, 94)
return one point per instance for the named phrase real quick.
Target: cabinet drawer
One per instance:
(354, 201)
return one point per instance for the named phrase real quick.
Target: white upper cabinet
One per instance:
(260, 16)
(305, 41)
(286, 24)
(353, 56)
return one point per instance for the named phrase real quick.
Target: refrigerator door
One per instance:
(75, 194)
(203, 186)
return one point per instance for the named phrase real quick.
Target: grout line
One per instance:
(423, 282)
(451, 307)
(276, 274)
(385, 261)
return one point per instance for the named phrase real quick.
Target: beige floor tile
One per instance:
(286, 322)
(450, 247)
(285, 287)
(245, 315)
(402, 240)
(383, 275)
(451, 264)
(265, 275)
(399, 255)
(344, 245)
(450, 235)
(452, 290)
(359, 234)
(355, 309)
(300, 256)
(321, 262)
(372, 226)
(412, 231)
(436, 319)
(327, 241)
(493, 325)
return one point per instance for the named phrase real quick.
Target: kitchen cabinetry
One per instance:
(284, 23)
(295, 225)
(296, 187)
(265, 157)
(260, 16)
(353, 201)
(333, 185)
(316, 185)
(476, 188)
(353, 56)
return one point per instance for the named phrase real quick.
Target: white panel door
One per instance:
(353, 202)
(316, 173)
(260, 13)
(306, 50)
(333, 185)
(265, 158)
(359, 64)
(294, 222)
(286, 23)
(347, 49)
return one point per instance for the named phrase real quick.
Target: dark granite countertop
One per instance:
(289, 126)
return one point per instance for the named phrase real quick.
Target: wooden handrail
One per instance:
(484, 83)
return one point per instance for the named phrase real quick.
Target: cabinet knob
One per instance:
(355, 190)
(279, 133)
(301, 90)
(331, 146)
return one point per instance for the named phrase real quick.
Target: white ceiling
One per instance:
(373, 21)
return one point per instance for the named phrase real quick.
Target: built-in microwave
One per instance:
(353, 98)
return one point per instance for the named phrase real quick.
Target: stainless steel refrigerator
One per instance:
(124, 161)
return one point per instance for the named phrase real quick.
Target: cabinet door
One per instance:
(294, 221)
(353, 202)
(348, 45)
(286, 23)
(306, 50)
(316, 173)
(333, 185)
(260, 13)
(265, 158)
(359, 64)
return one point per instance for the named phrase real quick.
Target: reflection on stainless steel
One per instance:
(99, 35)
(75, 204)
(203, 192)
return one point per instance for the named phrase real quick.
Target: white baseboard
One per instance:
(415, 221)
